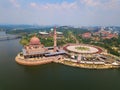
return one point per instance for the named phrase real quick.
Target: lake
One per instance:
(50, 76)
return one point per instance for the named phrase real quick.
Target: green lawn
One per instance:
(82, 48)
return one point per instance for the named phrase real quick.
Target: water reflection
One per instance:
(50, 76)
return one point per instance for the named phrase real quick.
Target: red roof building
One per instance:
(109, 36)
(34, 41)
(86, 35)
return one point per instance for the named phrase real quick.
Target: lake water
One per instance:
(50, 76)
(2, 33)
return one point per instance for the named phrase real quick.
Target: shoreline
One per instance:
(89, 66)
(35, 62)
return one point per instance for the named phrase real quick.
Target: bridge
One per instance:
(9, 37)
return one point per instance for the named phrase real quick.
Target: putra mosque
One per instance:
(36, 49)
(88, 56)
(38, 53)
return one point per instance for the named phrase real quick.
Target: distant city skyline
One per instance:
(61, 12)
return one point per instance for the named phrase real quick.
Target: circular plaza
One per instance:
(83, 49)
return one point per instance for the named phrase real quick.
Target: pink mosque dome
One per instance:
(34, 41)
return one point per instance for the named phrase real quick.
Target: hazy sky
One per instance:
(60, 12)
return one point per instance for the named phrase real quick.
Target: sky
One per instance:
(61, 12)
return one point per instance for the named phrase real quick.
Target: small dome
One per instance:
(34, 41)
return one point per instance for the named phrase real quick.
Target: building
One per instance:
(86, 35)
(59, 34)
(103, 34)
(109, 36)
(35, 49)
(50, 34)
(44, 34)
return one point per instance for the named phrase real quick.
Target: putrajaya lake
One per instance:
(50, 76)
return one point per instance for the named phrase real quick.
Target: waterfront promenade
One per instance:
(84, 64)
(34, 61)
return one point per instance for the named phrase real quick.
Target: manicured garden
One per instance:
(82, 48)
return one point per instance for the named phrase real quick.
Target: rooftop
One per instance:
(43, 33)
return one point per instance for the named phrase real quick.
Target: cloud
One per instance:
(113, 4)
(90, 2)
(76, 4)
(63, 5)
(102, 4)
(33, 4)
(77, 12)
(15, 3)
